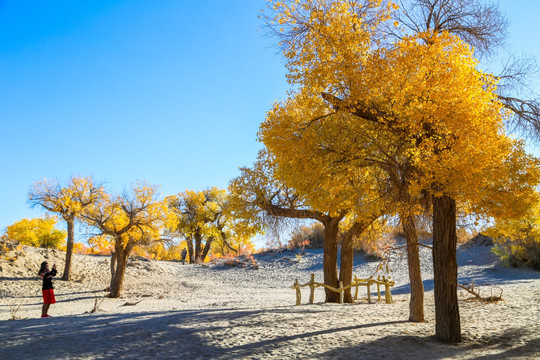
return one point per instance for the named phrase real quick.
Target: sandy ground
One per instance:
(222, 312)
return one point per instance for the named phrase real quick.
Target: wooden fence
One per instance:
(387, 282)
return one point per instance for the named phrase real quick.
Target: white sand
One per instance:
(219, 312)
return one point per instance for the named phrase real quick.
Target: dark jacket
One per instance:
(47, 280)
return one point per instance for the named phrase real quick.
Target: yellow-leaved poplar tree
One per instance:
(40, 232)
(136, 217)
(426, 91)
(262, 192)
(68, 200)
(517, 241)
(205, 220)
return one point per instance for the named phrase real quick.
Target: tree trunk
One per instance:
(198, 247)
(447, 322)
(346, 266)
(113, 267)
(331, 229)
(226, 244)
(206, 249)
(117, 282)
(416, 303)
(189, 242)
(69, 248)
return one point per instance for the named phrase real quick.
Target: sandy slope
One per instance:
(221, 312)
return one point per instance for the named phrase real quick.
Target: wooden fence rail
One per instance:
(387, 282)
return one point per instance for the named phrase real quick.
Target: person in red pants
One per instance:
(48, 290)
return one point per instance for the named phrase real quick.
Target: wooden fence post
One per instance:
(369, 292)
(312, 288)
(356, 292)
(341, 292)
(378, 288)
(387, 293)
(298, 293)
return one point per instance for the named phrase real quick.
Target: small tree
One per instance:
(69, 201)
(134, 218)
(206, 220)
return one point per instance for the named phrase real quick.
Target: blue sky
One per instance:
(171, 92)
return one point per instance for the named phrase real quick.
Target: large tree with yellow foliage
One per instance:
(135, 218)
(261, 193)
(427, 92)
(338, 145)
(68, 201)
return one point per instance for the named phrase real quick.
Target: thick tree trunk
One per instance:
(117, 282)
(113, 267)
(69, 248)
(347, 256)
(198, 247)
(447, 322)
(346, 266)
(331, 229)
(191, 255)
(206, 249)
(416, 303)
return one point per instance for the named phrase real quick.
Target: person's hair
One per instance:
(43, 268)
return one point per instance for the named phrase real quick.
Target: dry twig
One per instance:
(478, 297)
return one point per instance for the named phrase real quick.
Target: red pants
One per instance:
(48, 296)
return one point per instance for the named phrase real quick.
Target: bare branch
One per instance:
(478, 23)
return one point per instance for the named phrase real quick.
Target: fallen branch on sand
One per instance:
(477, 296)
(131, 303)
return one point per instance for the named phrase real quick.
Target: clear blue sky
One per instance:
(171, 91)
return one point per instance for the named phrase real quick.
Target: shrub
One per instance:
(39, 232)
(313, 233)
(518, 241)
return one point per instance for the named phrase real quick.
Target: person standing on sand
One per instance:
(183, 253)
(48, 293)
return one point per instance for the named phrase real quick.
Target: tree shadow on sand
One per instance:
(187, 334)
(232, 334)
(504, 346)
